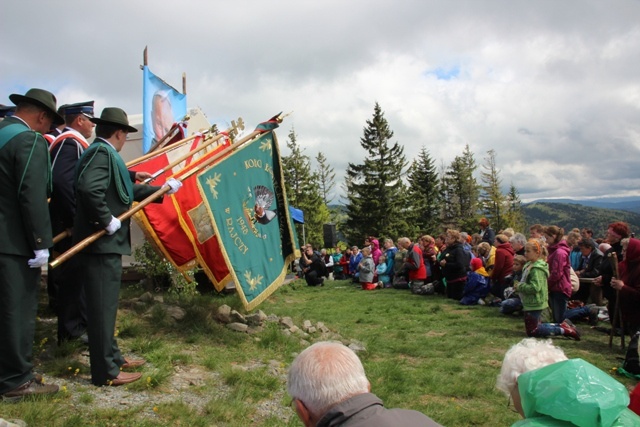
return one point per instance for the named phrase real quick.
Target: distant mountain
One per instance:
(572, 214)
(631, 204)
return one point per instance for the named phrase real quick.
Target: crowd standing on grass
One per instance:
(552, 278)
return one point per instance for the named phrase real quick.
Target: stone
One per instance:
(224, 314)
(255, 319)
(287, 321)
(294, 329)
(238, 327)
(272, 318)
(306, 324)
(159, 299)
(237, 317)
(311, 330)
(147, 297)
(357, 346)
(252, 330)
(177, 313)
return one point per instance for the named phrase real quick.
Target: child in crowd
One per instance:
(384, 280)
(512, 302)
(366, 269)
(534, 293)
(477, 286)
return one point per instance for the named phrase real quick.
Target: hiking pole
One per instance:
(618, 310)
(617, 313)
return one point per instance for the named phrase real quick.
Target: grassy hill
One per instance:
(569, 215)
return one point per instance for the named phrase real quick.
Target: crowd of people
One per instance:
(551, 278)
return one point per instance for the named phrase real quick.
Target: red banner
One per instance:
(196, 224)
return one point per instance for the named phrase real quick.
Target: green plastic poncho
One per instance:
(574, 393)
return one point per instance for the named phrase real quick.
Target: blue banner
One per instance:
(162, 106)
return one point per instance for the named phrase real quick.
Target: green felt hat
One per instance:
(115, 117)
(41, 98)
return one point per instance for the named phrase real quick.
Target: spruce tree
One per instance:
(424, 194)
(460, 193)
(492, 199)
(303, 192)
(326, 178)
(375, 196)
(514, 216)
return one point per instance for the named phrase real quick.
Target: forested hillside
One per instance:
(568, 216)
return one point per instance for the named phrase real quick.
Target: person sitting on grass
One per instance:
(512, 302)
(366, 270)
(548, 389)
(354, 261)
(329, 387)
(477, 286)
(534, 293)
(384, 280)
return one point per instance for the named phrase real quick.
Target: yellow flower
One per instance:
(155, 409)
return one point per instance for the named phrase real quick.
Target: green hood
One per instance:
(573, 393)
(541, 264)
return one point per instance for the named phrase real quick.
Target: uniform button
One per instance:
(38, 240)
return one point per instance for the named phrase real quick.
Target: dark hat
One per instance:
(85, 108)
(115, 117)
(7, 110)
(41, 98)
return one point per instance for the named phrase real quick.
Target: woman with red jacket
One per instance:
(502, 267)
(559, 279)
(628, 286)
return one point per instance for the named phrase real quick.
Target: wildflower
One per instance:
(155, 409)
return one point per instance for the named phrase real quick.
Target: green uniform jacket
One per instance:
(533, 290)
(97, 200)
(24, 187)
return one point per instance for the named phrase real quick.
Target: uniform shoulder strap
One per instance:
(8, 132)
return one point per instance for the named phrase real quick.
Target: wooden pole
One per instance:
(184, 83)
(617, 312)
(145, 59)
(162, 150)
(95, 236)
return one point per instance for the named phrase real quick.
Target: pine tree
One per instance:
(303, 192)
(460, 192)
(514, 215)
(376, 203)
(492, 199)
(424, 194)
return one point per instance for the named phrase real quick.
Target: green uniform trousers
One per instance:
(102, 275)
(19, 287)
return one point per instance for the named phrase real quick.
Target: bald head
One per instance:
(324, 375)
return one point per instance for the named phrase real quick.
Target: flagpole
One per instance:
(95, 236)
(169, 135)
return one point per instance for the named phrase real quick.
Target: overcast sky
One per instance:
(552, 86)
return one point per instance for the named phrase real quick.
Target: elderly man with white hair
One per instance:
(330, 388)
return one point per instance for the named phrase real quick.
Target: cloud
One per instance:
(553, 89)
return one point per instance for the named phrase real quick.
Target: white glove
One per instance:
(113, 226)
(174, 184)
(41, 258)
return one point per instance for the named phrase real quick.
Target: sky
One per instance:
(552, 86)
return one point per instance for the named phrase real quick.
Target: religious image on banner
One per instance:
(245, 198)
(162, 106)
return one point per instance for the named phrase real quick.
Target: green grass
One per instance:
(425, 353)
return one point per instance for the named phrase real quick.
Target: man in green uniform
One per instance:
(25, 228)
(104, 191)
